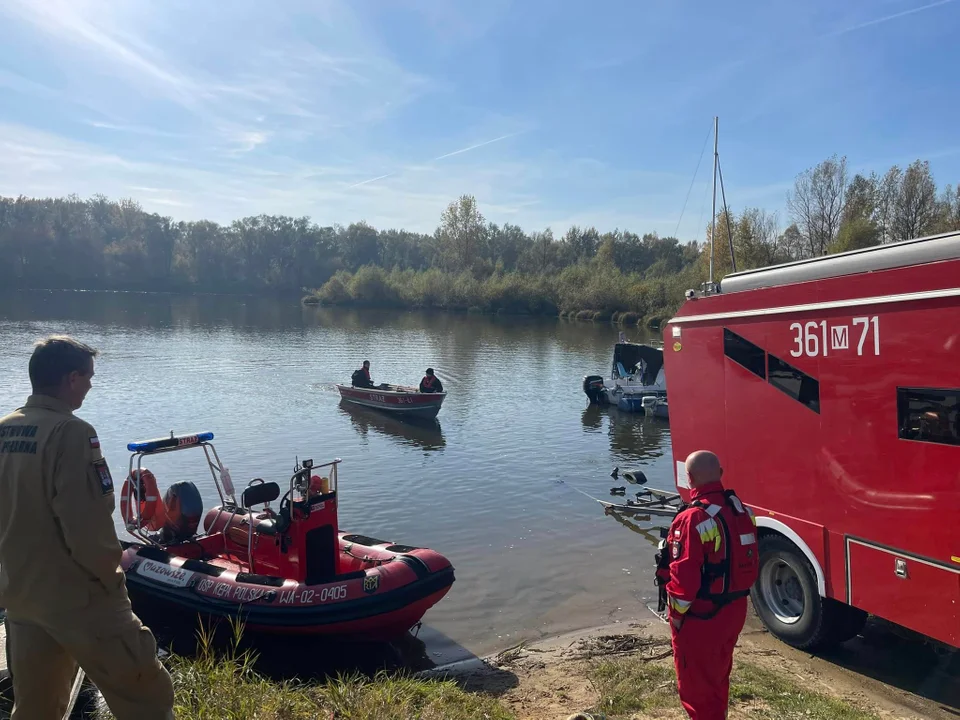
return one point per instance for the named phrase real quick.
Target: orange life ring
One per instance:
(145, 492)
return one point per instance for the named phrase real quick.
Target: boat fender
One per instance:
(142, 490)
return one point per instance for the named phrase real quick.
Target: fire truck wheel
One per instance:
(786, 598)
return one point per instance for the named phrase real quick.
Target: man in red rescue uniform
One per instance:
(712, 550)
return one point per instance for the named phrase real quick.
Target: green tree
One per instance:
(462, 233)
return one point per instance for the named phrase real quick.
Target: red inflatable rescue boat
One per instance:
(288, 570)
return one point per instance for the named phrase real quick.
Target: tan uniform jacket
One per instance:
(58, 545)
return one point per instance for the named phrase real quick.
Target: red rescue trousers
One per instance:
(703, 657)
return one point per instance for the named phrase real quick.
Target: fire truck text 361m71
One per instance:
(818, 338)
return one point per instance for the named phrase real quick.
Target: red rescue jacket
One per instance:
(710, 556)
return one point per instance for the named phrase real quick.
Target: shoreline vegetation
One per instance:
(467, 264)
(614, 673)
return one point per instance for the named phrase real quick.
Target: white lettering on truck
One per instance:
(816, 339)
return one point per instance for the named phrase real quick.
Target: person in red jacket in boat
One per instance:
(361, 377)
(705, 568)
(431, 383)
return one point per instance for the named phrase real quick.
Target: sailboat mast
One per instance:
(713, 216)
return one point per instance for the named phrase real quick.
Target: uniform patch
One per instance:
(675, 549)
(95, 442)
(103, 472)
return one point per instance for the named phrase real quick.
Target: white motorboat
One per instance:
(637, 382)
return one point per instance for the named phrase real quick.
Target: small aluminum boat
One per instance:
(396, 399)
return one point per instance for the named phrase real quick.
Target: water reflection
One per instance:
(422, 433)
(151, 310)
(651, 534)
(633, 436)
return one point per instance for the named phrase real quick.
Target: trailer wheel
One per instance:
(786, 598)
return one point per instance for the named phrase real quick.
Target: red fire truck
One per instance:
(830, 390)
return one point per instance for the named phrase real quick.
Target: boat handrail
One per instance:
(159, 446)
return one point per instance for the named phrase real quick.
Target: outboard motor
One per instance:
(593, 387)
(184, 507)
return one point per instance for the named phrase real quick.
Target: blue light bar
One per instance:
(146, 446)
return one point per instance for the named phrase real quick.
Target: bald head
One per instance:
(703, 467)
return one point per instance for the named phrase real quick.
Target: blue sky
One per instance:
(550, 113)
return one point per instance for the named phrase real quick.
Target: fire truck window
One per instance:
(929, 415)
(795, 383)
(745, 353)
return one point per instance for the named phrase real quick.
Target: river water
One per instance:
(497, 485)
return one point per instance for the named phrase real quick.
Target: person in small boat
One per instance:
(431, 383)
(361, 377)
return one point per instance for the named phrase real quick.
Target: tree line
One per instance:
(467, 263)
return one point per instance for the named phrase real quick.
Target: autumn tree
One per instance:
(915, 204)
(792, 242)
(948, 210)
(816, 203)
(887, 190)
(722, 264)
(858, 228)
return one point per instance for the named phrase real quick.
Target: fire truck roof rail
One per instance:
(932, 248)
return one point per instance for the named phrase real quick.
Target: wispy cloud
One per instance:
(65, 19)
(474, 147)
(39, 163)
(439, 157)
(18, 83)
(371, 180)
(133, 129)
(886, 18)
(264, 73)
(246, 140)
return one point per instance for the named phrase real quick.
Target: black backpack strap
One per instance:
(664, 558)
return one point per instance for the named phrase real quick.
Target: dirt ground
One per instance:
(546, 680)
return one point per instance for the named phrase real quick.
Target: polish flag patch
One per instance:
(95, 443)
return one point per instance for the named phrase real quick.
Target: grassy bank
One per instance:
(629, 676)
(224, 686)
(629, 686)
(589, 291)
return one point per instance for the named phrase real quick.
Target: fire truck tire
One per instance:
(786, 598)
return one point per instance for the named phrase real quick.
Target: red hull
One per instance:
(382, 590)
(401, 401)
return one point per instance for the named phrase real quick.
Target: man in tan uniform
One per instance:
(60, 576)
